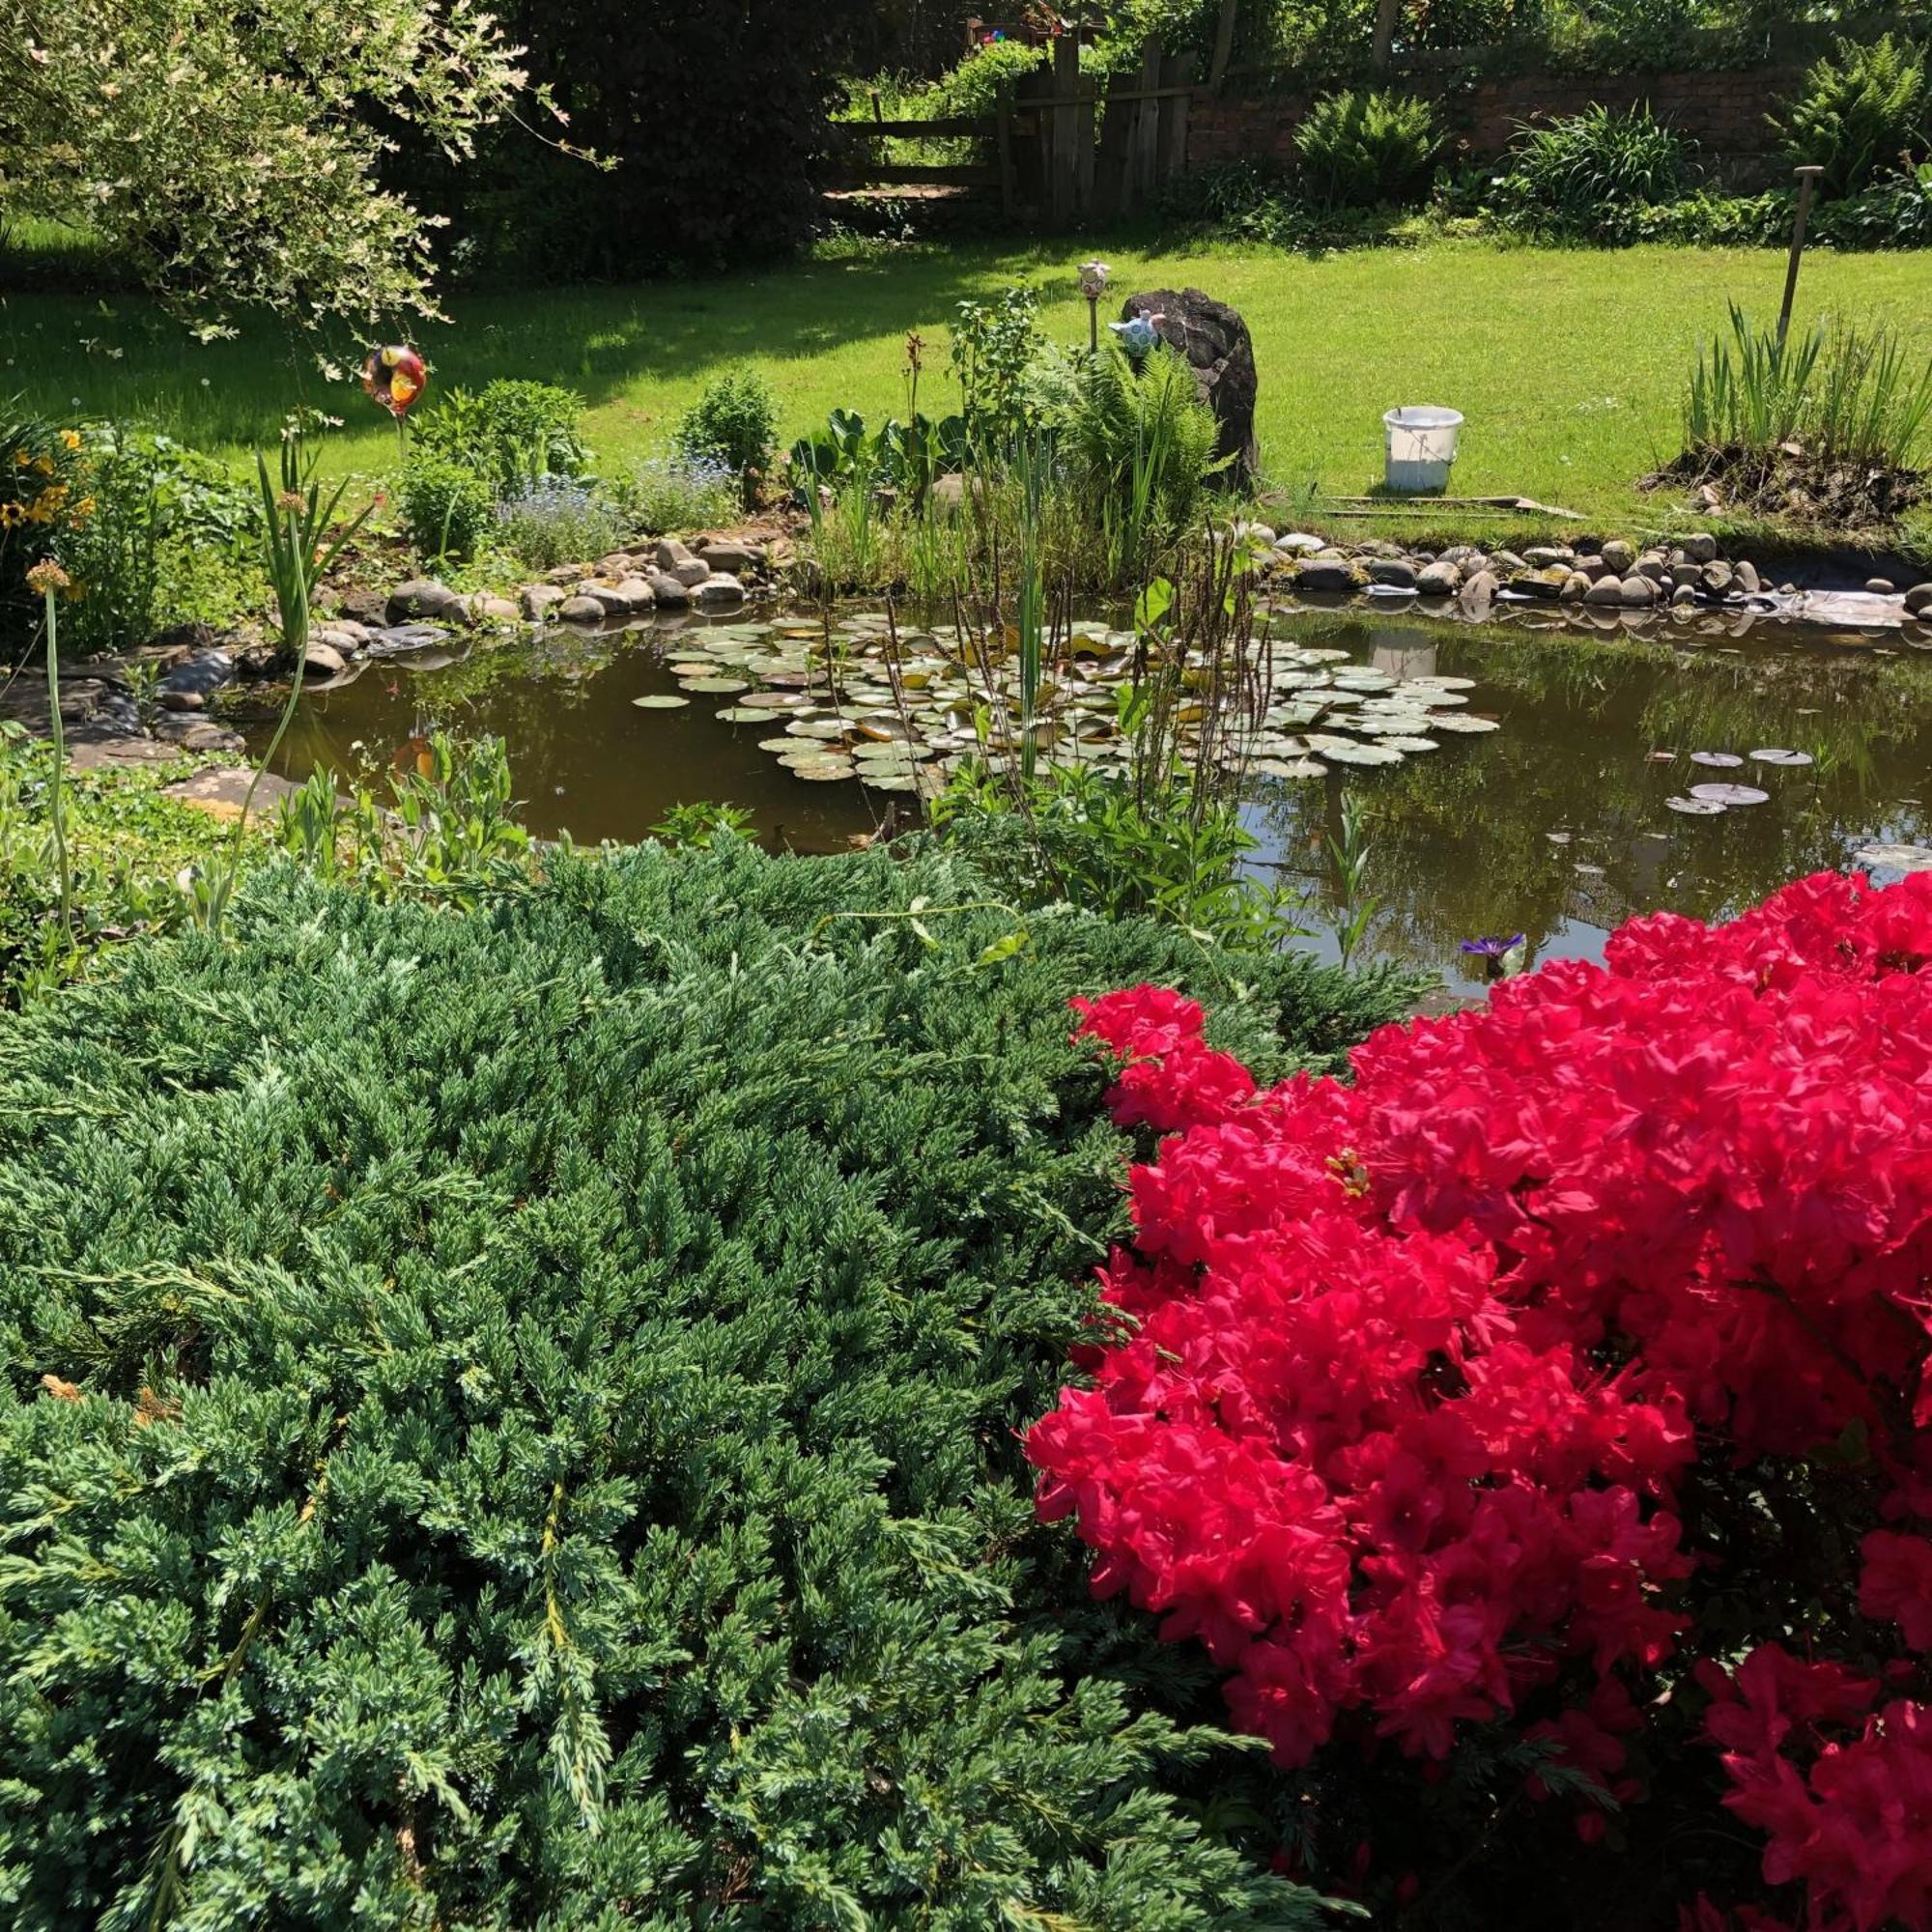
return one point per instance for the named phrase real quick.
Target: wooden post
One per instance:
(1063, 162)
(1224, 44)
(1116, 139)
(1003, 141)
(1082, 142)
(1807, 178)
(1388, 16)
(1143, 160)
(1176, 74)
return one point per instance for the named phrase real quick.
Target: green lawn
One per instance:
(1568, 364)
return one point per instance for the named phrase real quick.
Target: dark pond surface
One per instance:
(1554, 825)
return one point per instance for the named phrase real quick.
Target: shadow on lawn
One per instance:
(120, 356)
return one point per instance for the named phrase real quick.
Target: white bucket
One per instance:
(1421, 448)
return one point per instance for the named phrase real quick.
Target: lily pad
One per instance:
(661, 701)
(1773, 756)
(1895, 858)
(1722, 760)
(1694, 807)
(1469, 726)
(737, 714)
(1729, 794)
(1361, 754)
(715, 686)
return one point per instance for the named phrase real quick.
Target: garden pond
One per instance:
(1516, 781)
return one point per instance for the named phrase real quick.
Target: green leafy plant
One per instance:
(300, 535)
(1365, 146)
(110, 877)
(163, 540)
(702, 823)
(515, 435)
(1829, 426)
(1349, 851)
(991, 346)
(734, 422)
(448, 508)
(557, 521)
(42, 496)
(1854, 396)
(1581, 174)
(902, 456)
(1865, 111)
(1139, 444)
(457, 835)
(1070, 835)
(676, 493)
(449, 835)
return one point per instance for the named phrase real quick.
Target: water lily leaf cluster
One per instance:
(902, 709)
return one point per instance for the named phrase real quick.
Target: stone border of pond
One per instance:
(1589, 577)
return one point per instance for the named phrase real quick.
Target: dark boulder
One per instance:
(1216, 341)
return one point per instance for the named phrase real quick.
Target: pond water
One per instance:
(1554, 825)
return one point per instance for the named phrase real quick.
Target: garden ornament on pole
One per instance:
(1807, 179)
(1094, 285)
(394, 376)
(1139, 335)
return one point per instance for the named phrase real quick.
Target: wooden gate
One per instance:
(1059, 152)
(1086, 156)
(988, 179)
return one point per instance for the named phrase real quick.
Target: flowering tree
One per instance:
(230, 153)
(1453, 1395)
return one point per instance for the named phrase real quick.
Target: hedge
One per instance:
(510, 1418)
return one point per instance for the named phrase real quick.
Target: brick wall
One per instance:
(1723, 112)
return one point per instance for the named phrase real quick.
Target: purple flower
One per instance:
(1492, 948)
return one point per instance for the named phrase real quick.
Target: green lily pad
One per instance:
(661, 701)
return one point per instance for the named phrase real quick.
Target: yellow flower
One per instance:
(44, 465)
(71, 438)
(21, 459)
(12, 514)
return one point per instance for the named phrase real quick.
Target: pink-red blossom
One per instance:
(1413, 1370)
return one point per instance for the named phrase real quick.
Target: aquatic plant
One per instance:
(1821, 424)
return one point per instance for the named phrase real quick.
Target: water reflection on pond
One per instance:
(1554, 826)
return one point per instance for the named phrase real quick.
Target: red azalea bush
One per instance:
(1419, 1380)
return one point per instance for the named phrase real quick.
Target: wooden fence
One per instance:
(1059, 152)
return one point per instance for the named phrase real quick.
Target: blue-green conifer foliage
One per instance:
(511, 1418)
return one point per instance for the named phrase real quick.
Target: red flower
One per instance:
(1365, 1442)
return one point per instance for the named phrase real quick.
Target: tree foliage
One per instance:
(714, 114)
(230, 153)
(510, 1418)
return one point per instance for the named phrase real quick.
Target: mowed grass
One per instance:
(1570, 365)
